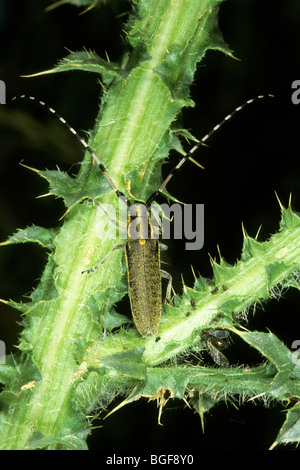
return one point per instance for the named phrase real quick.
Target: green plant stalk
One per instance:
(143, 99)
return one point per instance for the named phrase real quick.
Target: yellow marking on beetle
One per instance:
(28, 386)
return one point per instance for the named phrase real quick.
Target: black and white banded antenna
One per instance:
(80, 140)
(202, 141)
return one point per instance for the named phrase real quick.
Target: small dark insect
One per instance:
(216, 341)
(193, 303)
(224, 288)
(215, 290)
(157, 339)
(188, 314)
(210, 282)
(218, 317)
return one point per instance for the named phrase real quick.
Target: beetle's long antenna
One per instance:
(201, 142)
(80, 140)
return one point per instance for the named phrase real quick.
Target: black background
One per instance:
(254, 155)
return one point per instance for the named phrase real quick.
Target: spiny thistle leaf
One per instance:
(290, 431)
(34, 234)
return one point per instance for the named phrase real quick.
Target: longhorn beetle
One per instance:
(142, 253)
